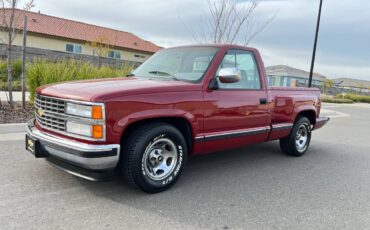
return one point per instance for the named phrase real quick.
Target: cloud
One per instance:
(342, 50)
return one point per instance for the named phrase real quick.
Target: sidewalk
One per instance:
(17, 96)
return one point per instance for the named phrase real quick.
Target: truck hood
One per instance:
(103, 89)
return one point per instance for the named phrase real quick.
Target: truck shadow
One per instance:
(226, 180)
(202, 168)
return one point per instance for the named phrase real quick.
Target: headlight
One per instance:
(94, 131)
(80, 129)
(88, 111)
(90, 124)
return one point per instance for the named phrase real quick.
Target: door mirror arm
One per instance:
(213, 85)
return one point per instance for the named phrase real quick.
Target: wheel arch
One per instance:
(310, 114)
(181, 123)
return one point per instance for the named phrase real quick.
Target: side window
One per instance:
(73, 48)
(78, 49)
(245, 62)
(69, 48)
(114, 54)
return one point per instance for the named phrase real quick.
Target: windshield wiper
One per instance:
(157, 72)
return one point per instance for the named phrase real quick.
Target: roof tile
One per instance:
(60, 27)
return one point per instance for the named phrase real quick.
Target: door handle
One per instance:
(263, 101)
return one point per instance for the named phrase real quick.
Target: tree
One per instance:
(229, 21)
(100, 47)
(327, 85)
(362, 87)
(10, 17)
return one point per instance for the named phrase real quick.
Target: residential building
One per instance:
(286, 76)
(58, 38)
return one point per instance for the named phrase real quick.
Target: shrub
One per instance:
(355, 97)
(17, 85)
(41, 72)
(16, 70)
(335, 100)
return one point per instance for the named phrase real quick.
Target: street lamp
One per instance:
(314, 45)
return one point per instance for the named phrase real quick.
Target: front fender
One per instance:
(154, 113)
(120, 126)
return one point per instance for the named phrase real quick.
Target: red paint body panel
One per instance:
(209, 113)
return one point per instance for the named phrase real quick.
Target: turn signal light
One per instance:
(96, 112)
(97, 131)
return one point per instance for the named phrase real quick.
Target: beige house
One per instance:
(57, 38)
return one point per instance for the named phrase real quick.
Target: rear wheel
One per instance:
(298, 141)
(154, 156)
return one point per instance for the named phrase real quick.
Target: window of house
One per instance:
(139, 56)
(73, 48)
(114, 54)
(245, 62)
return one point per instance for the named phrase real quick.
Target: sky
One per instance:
(344, 40)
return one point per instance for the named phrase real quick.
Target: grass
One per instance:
(354, 97)
(17, 85)
(16, 73)
(335, 100)
(42, 72)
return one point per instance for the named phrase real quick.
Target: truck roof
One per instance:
(226, 46)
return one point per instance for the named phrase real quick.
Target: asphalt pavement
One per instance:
(255, 187)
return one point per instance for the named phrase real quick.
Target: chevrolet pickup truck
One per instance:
(182, 101)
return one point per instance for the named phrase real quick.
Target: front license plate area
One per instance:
(33, 146)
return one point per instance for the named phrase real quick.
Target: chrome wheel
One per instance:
(301, 137)
(159, 159)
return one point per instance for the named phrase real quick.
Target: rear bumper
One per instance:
(320, 122)
(71, 156)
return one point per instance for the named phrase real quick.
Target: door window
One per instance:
(245, 62)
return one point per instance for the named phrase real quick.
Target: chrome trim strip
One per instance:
(281, 126)
(74, 101)
(199, 139)
(233, 134)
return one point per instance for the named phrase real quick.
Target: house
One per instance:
(286, 76)
(58, 38)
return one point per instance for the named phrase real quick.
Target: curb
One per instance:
(12, 128)
(12, 124)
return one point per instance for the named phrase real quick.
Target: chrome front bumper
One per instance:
(74, 153)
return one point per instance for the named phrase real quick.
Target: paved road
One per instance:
(249, 188)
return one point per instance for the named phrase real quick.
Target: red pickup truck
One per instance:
(182, 101)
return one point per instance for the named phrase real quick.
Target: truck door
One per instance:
(238, 113)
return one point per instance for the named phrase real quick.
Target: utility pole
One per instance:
(24, 63)
(314, 45)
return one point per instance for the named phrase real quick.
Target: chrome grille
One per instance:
(48, 111)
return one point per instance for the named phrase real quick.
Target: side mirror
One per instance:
(229, 75)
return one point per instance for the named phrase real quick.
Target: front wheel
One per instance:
(154, 157)
(296, 144)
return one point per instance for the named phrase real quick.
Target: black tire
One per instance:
(289, 145)
(141, 145)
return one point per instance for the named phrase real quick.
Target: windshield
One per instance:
(183, 64)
